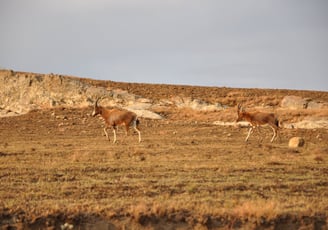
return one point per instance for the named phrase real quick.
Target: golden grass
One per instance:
(182, 171)
(257, 209)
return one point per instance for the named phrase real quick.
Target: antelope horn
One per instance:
(239, 107)
(96, 104)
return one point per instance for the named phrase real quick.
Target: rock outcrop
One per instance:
(296, 102)
(23, 92)
(310, 123)
(196, 104)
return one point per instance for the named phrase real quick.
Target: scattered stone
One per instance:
(67, 226)
(145, 113)
(296, 142)
(293, 102)
(319, 137)
(318, 159)
(240, 124)
(315, 105)
(196, 104)
(310, 123)
(142, 158)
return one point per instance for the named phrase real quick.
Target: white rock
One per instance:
(311, 123)
(296, 142)
(293, 102)
(145, 113)
(235, 124)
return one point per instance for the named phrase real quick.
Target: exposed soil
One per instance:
(58, 171)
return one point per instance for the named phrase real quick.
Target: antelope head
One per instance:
(96, 109)
(240, 112)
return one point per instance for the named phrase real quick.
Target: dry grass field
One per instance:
(58, 171)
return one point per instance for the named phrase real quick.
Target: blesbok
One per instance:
(115, 117)
(257, 119)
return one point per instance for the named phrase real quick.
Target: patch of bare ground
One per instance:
(58, 171)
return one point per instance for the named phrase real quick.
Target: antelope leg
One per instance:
(138, 131)
(274, 134)
(249, 133)
(114, 132)
(105, 130)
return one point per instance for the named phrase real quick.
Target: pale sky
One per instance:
(233, 43)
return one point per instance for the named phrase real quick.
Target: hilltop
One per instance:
(23, 92)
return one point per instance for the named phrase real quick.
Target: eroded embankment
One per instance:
(182, 219)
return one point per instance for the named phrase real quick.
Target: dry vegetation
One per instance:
(57, 168)
(58, 171)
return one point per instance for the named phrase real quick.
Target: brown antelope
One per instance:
(115, 117)
(257, 119)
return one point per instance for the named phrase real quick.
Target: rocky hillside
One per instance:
(22, 92)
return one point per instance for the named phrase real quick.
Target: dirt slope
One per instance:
(211, 94)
